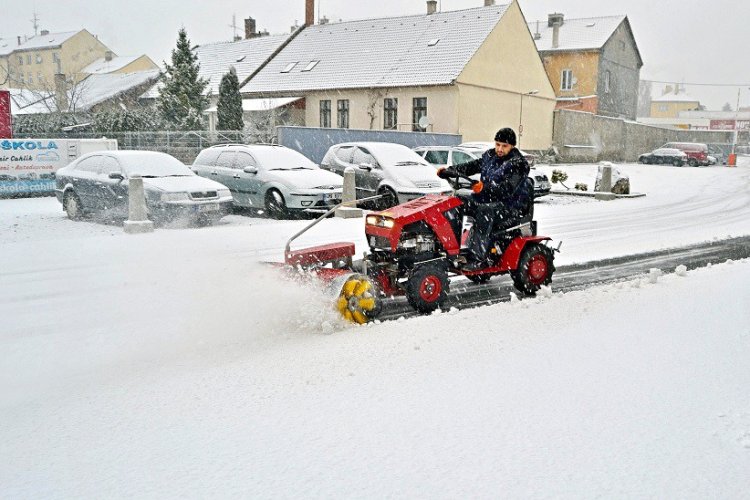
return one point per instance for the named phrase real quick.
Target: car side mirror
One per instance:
(250, 170)
(365, 166)
(116, 175)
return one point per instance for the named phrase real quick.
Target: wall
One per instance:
(314, 142)
(584, 66)
(143, 63)
(620, 58)
(672, 109)
(585, 137)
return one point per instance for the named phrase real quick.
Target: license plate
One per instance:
(208, 207)
(336, 198)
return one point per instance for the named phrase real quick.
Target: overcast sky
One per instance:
(689, 41)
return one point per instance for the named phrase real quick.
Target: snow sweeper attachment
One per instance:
(331, 265)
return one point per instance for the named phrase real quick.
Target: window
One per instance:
(20, 77)
(437, 157)
(607, 76)
(342, 115)
(566, 79)
(20, 60)
(390, 113)
(460, 157)
(39, 76)
(109, 165)
(419, 109)
(39, 58)
(90, 164)
(325, 113)
(310, 65)
(344, 153)
(28, 58)
(245, 160)
(363, 157)
(663, 107)
(31, 78)
(225, 160)
(289, 67)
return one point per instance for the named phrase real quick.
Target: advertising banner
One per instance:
(6, 121)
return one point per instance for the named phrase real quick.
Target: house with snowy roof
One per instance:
(32, 63)
(466, 72)
(593, 63)
(672, 102)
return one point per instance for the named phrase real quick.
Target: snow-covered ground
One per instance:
(174, 364)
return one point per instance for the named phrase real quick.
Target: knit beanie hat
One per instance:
(506, 135)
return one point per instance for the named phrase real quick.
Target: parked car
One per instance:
(270, 177)
(446, 156)
(720, 151)
(666, 156)
(697, 152)
(97, 183)
(385, 168)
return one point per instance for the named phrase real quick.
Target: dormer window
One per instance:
(433, 42)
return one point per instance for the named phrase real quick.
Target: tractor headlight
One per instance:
(174, 196)
(380, 221)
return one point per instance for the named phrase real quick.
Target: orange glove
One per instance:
(477, 187)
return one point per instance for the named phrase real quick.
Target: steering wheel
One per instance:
(454, 179)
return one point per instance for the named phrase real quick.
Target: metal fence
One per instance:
(184, 145)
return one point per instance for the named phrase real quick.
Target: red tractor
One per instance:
(414, 250)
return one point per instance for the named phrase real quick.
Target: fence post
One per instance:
(137, 219)
(349, 194)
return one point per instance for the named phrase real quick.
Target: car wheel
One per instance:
(427, 287)
(643, 160)
(693, 162)
(677, 163)
(389, 198)
(275, 204)
(535, 268)
(72, 206)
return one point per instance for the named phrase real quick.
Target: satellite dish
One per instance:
(423, 122)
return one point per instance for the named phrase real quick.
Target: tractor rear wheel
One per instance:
(535, 268)
(427, 287)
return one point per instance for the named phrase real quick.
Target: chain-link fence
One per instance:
(180, 144)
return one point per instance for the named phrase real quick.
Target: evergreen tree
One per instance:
(229, 107)
(181, 101)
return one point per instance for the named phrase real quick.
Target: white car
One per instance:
(447, 156)
(269, 177)
(388, 169)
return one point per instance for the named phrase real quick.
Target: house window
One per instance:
(663, 107)
(20, 60)
(310, 66)
(342, 115)
(39, 58)
(20, 77)
(325, 113)
(289, 67)
(566, 79)
(419, 109)
(39, 76)
(390, 113)
(607, 76)
(28, 58)
(31, 78)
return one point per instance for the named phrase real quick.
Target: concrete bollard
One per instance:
(605, 187)
(349, 194)
(137, 219)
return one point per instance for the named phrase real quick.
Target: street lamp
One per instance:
(520, 116)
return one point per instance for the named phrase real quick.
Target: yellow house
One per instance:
(112, 64)
(593, 63)
(33, 63)
(467, 72)
(672, 102)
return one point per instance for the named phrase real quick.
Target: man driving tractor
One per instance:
(502, 195)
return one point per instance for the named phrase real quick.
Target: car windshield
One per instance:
(395, 155)
(154, 165)
(283, 159)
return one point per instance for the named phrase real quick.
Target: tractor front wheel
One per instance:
(535, 268)
(427, 287)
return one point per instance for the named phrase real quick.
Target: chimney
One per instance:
(19, 39)
(489, 3)
(431, 6)
(108, 55)
(555, 18)
(555, 21)
(309, 12)
(61, 92)
(45, 32)
(249, 28)
(537, 34)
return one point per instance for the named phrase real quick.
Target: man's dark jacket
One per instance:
(504, 178)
